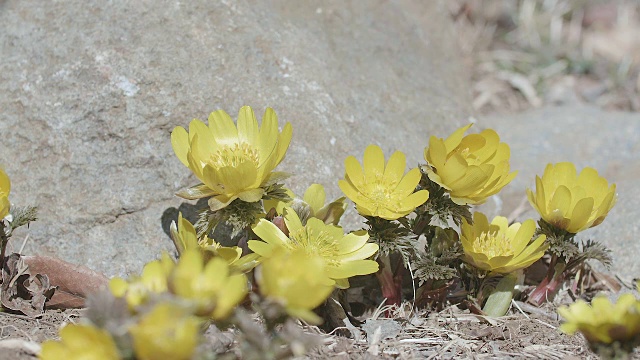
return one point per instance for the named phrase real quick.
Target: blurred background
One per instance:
(529, 53)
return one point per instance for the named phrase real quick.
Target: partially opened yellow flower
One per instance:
(569, 201)
(498, 247)
(185, 237)
(314, 198)
(379, 190)
(137, 289)
(231, 161)
(472, 167)
(80, 342)
(603, 322)
(209, 285)
(344, 255)
(166, 332)
(297, 280)
(5, 188)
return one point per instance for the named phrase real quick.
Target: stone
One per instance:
(91, 90)
(586, 136)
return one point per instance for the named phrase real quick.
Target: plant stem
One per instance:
(391, 285)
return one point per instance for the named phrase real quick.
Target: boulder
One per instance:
(91, 90)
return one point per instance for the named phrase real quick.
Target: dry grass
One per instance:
(526, 53)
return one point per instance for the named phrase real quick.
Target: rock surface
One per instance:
(586, 136)
(90, 91)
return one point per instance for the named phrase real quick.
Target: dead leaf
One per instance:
(22, 291)
(74, 282)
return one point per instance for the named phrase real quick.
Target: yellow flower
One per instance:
(5, 188)
(572, 202)
(167, 332)
(210, 286)
(80, 342)
(344, 254)
(314, 198)
(603, 322)
(184, 237)
(232, 162)
(472, 167)
(297, 280)
(153, 280)
(498, 247)
(379, 190)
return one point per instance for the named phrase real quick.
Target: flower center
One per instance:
(234, 155)
(493, 244)
(380, 193)
(470, 157)
(317, 243)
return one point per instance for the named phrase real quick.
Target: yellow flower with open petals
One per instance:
(344, 254)
(209, 285)
(603, 322)
(185, 237)
(498, 247)
(137, 289)
(379, 190)
(297, 280)
(472, 167)
(80, 342)
(5, 188)
(569, 201)
(166, 332)
(231, 161)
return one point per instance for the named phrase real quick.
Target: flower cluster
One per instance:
(297, 255)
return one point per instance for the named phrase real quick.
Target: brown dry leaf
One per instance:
(22, 291)
(74, 282)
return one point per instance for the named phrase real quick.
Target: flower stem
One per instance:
(390, 284)
(549, 286)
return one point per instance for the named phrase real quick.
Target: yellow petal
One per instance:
(223, 128)
(354, 171)
(270, 233)
(395, 167)
(315, 197)
(352, 268)
(248, 131)
(373, 162)
(454, 140)
(179, 143)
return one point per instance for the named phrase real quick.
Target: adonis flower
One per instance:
(209, 285)
(297, 280)
(5, 188)
(231, 161)
(314, 199)
(603, 322)
(80, 342)
(185, 238)
(153, 280)
(379, 190)
(472, 167)
(344, 255)
(498, 247)
(570, 201)
(166, 332)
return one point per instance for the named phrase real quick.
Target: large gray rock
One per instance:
(586, 136)
(90, 91)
